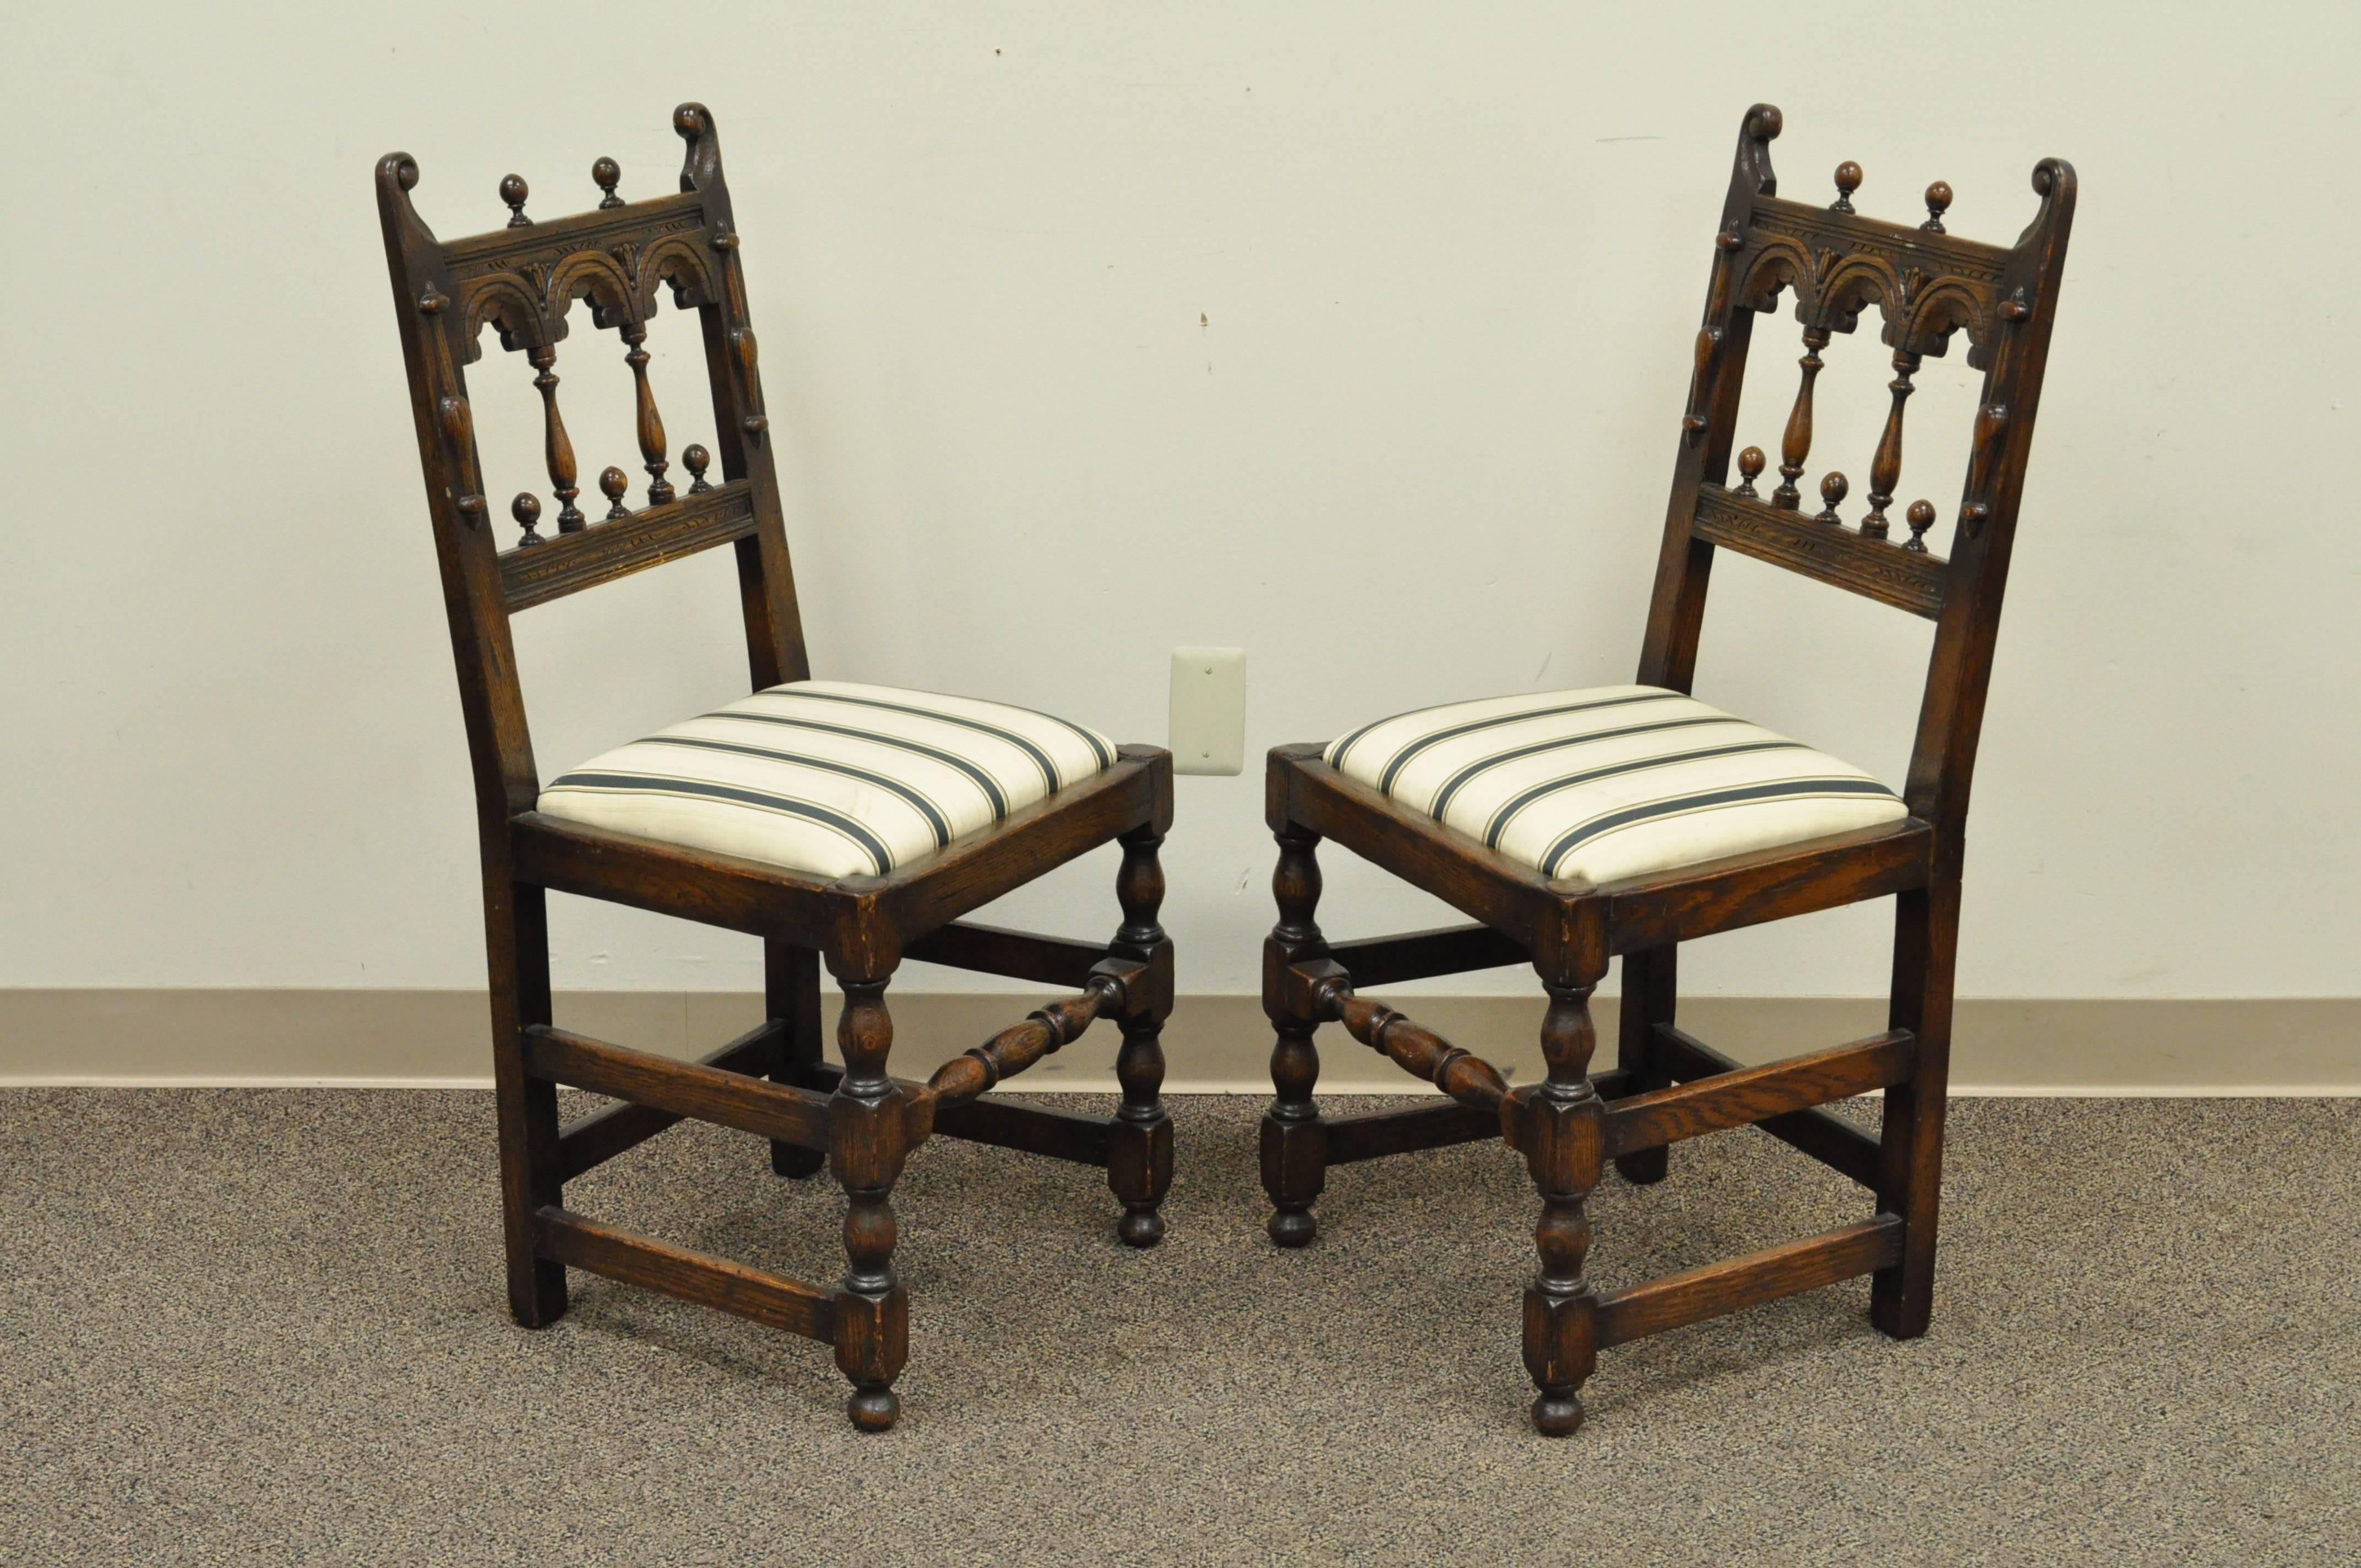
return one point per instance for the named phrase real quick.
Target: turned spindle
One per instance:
(607, 174)
(612, 483)
(1832, 495)
(1938, 201)
(1920, 517)
(1796, 445)
(1749, 468)
(1847, 182)
(526, 509)
(557, 447)
(696, 458)
(1885, 468)
(513, 192)
(650, 423)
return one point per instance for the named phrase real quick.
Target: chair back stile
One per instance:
(1927, 284)
(522, 281)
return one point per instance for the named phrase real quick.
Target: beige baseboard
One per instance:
(1214, 1043)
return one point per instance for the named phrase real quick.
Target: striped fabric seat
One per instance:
(1610, 781)
(831, 778)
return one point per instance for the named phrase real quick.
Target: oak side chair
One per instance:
(1575, 826)
(833, 820)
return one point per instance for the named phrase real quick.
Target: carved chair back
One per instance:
(1929, 286)
(523, 281)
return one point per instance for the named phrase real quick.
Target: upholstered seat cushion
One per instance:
(1610, 781)
(829, 777)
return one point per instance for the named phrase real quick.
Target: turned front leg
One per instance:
(867, 1146)
(1139, 1139)
(1558, 1127)
(1294, 1142)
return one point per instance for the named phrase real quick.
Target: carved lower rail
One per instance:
(553, 568)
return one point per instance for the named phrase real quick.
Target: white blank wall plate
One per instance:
(1209, 710)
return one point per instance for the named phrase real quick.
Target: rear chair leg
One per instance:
(519, 929)
(1559, 1125)
(868, 1143)
(791, 983)
(1910, 1168)
(1648, 992)
(1294, 1140)
(1139, 1137)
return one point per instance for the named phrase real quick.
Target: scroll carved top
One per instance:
(1926, 284)
(523, 284)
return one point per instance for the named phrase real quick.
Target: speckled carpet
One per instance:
(267, 1326)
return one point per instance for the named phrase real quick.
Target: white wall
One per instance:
(1357, 338)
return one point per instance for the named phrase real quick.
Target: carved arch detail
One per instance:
(1779, 263)
(679, 261)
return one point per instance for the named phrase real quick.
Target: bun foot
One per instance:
(1140, 1227)
(1293, 1227)
(874, 1410)
(1557, 1415)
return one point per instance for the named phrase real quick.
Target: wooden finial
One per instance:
(526, 509)
(1832, 494)
(513, 192)
(1938, 201)
(1749, 468)
(1847, 182)
(695, 458)
(612, 483)
(1921, 517)
(607, 173)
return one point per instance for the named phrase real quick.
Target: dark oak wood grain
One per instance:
(1831, 1140)
(994, 949)
(592, 1140)
(1837, 266)
(1858, 561)
(774, 1298)
(1696, 1294)
(533, 284)
(684, 1089)
(620, 547)
(1756, 1094)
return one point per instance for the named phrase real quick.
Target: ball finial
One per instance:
(1847, 182)
(526, 509)
(1921, 517)
(513, 191)
(607, 173)
(1938, 201)
(1832, 495)
(612, 483)
(696, 459)
(1749, 468)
